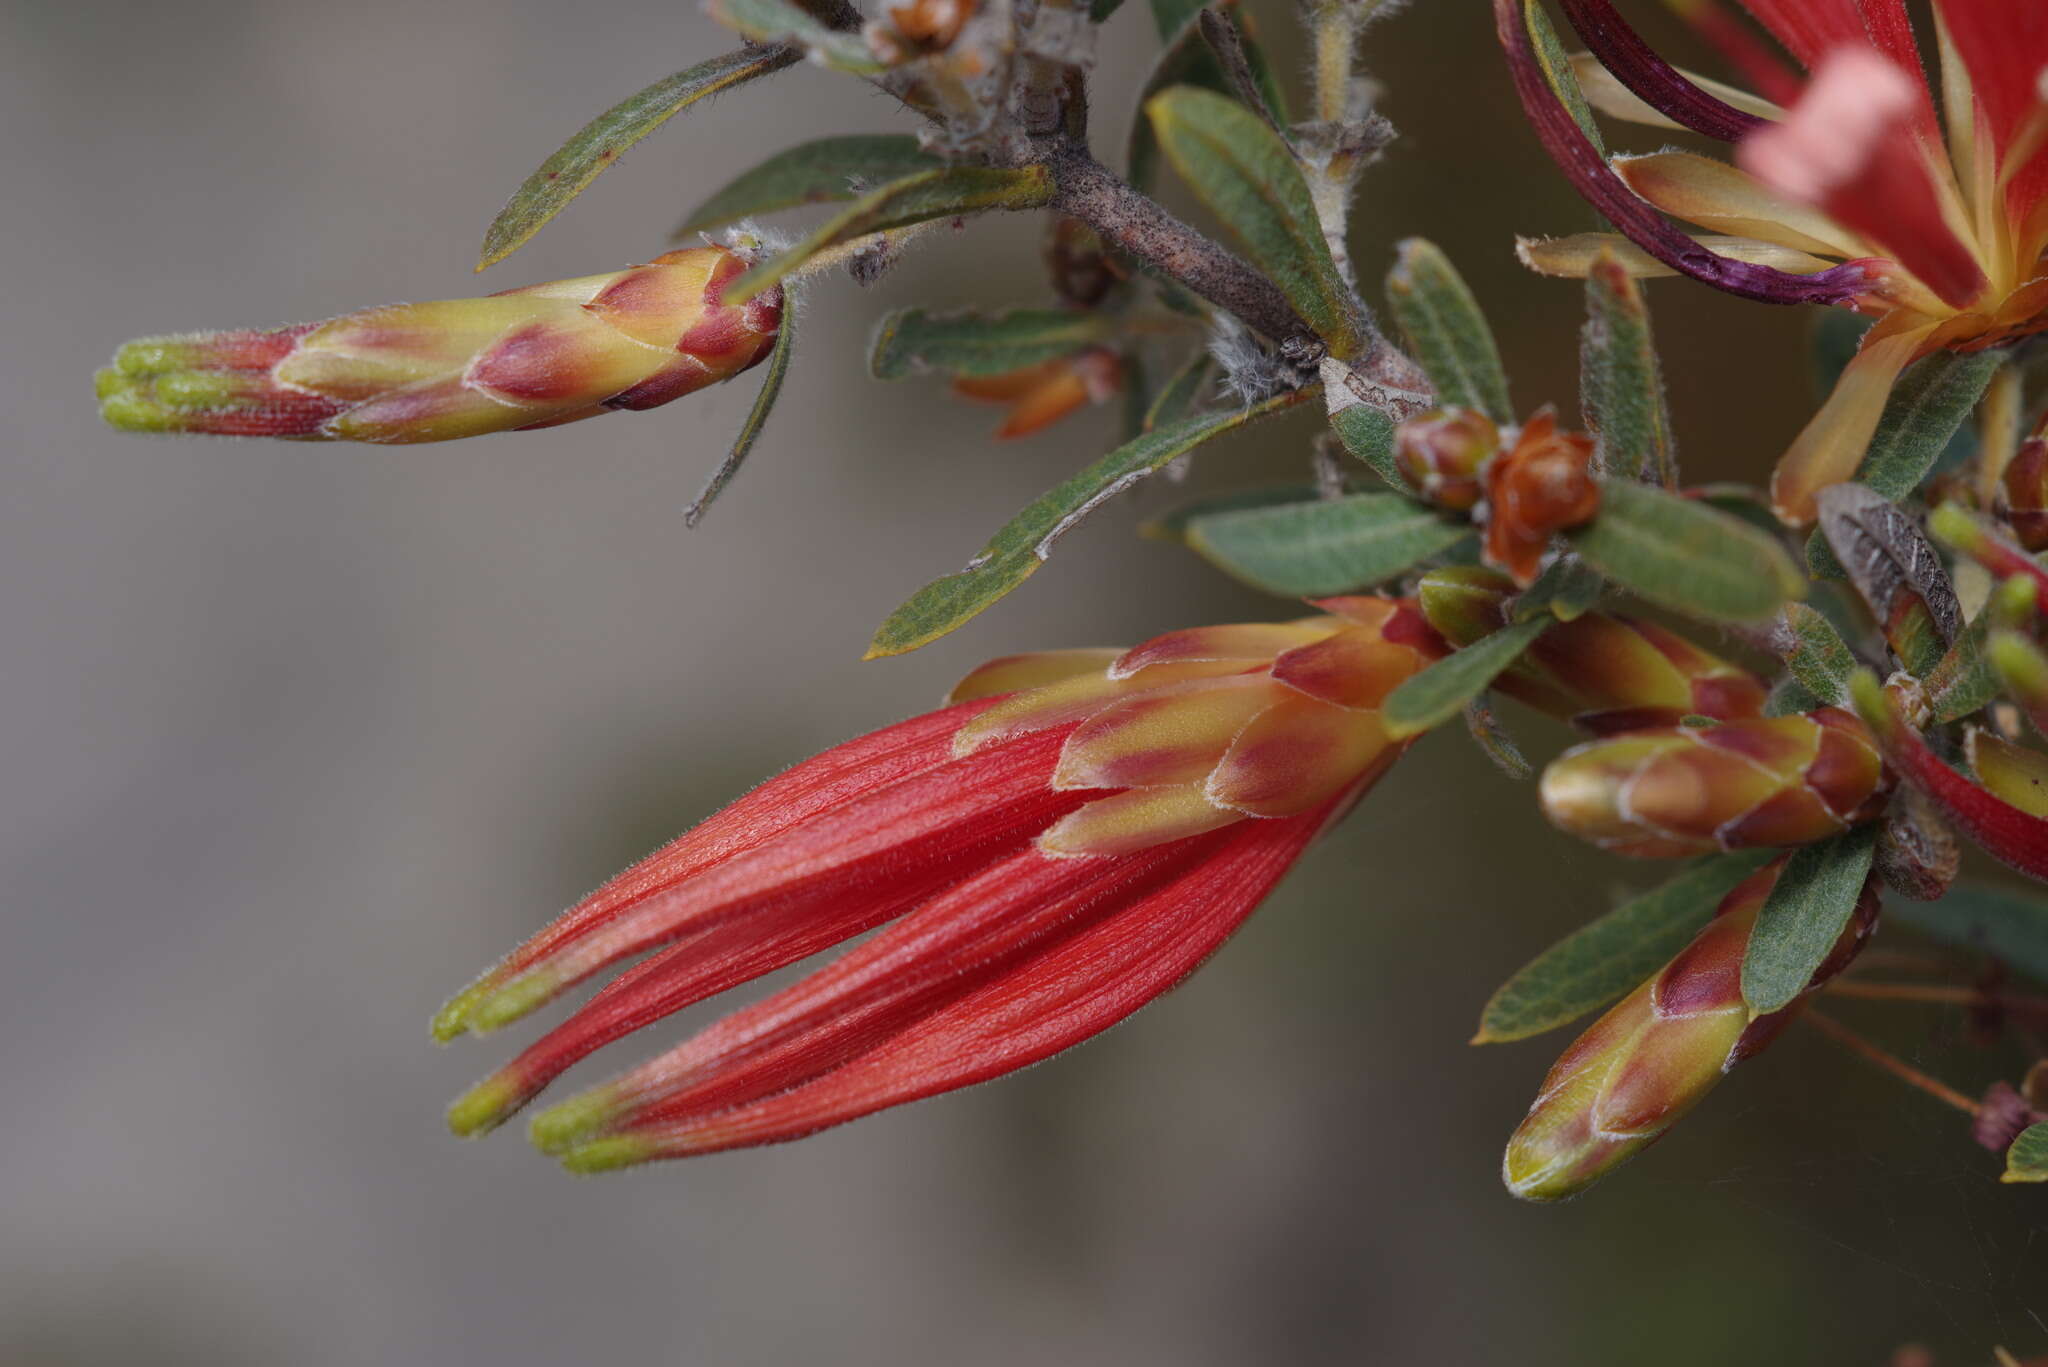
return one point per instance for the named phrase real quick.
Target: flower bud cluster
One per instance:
(1527, 483)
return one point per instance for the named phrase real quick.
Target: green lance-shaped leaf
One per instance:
(757, 418)
(1368, 434)
(1804, 915)
(1558, 73)
(1600, 961)
(913, 341)
(1324, 546)
(569, 171)
(1181, 392)
(1446, 330)
(2012, 926)
(1926, 412)
(940, 193)
(1185, 58)
(1015, 553)
(1249, 178)
(1435, 695)
(1174, 526)
(819, 172)
(2027, 1159)
(777, 21)
(1683, 555)
(1621, 388)
(1963, 680)
(1817, 655)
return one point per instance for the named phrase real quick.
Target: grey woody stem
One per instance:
(1134, 223)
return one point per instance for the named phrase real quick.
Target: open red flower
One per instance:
(1068, 839)
(1939, 223)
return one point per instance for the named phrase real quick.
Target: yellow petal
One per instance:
(1162, 736)
(2007, 771)
(1830, 448)
(1573, 256)
(1295, 754)
(1015, 673)
(1716, 195)
(1617, 101)
(1251, 643)
(1071, 700)
(1134, 820)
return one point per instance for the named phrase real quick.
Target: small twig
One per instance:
(1140, 227)
(1891, 1063)
(1939, 995)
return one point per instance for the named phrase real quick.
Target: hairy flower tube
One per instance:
(1068, 839)
(1941, 232)
(1650, 1059)
(526, 358)
(1755, 783)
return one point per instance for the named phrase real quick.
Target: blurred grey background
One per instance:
(296, 738)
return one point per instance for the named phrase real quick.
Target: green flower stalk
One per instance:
(1649, 1060)
(527, 358)
(1681, 790)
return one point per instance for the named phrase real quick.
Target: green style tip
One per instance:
(563, 1126)
(609, 1155)
(484, 1107)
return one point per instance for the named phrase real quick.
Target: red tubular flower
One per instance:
(1066, 841)
(1944, 238)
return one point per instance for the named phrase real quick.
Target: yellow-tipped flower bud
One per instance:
(1676, 791)
(527, 358)
(1651, 1058)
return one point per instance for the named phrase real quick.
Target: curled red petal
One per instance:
(1659, 84)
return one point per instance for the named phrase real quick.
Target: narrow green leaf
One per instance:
(776, 21)
(1446, 330)
(1964, 680)
(1817, 655)
(1927, 407)
(1180, 395)
(1174, 526)
(599, 143)
(1249, 178)
(1600, 961)
(1437, 693)
(940, 193)
(1683, 555)
(1565, 590)
(1621, 388)
(2012, 926)
(2027, 1159)
(1804, 916)
(1015, 553)
(912, 341)
(1557, 70)
(1324, 546)
(764, 403)
(817, 172)
(1137, 400)
(1368, 434)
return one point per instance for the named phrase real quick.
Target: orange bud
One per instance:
(1535, 490)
